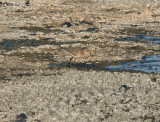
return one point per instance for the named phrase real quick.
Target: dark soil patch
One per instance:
(14, 44)
(133, 31)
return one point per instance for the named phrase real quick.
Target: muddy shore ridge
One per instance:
(79, 60)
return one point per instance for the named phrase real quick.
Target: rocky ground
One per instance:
(36, 36)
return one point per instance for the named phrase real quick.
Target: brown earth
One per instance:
(38, 33)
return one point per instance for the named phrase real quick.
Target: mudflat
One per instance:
(54, 54)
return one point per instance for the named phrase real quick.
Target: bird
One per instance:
(77, 52)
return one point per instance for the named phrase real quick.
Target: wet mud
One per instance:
(79, 60)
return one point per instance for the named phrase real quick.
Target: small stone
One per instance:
(1, 3)
(132, 25)
(27, 3)
(84, 101)
(86, 22)
(22, 117)
(67, 24)
(125, 87)
(85, 37)
(91, 29)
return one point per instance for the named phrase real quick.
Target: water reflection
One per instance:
(146, 64)
(142, 38)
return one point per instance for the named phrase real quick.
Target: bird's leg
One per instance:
(70, 61)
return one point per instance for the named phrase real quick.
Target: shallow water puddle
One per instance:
(142, 38)
(146, 64)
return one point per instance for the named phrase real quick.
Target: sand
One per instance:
(33, 36)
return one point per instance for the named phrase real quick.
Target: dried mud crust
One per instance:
(82, 96)
(37, 33)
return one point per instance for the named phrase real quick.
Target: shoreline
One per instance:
(38, 33)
